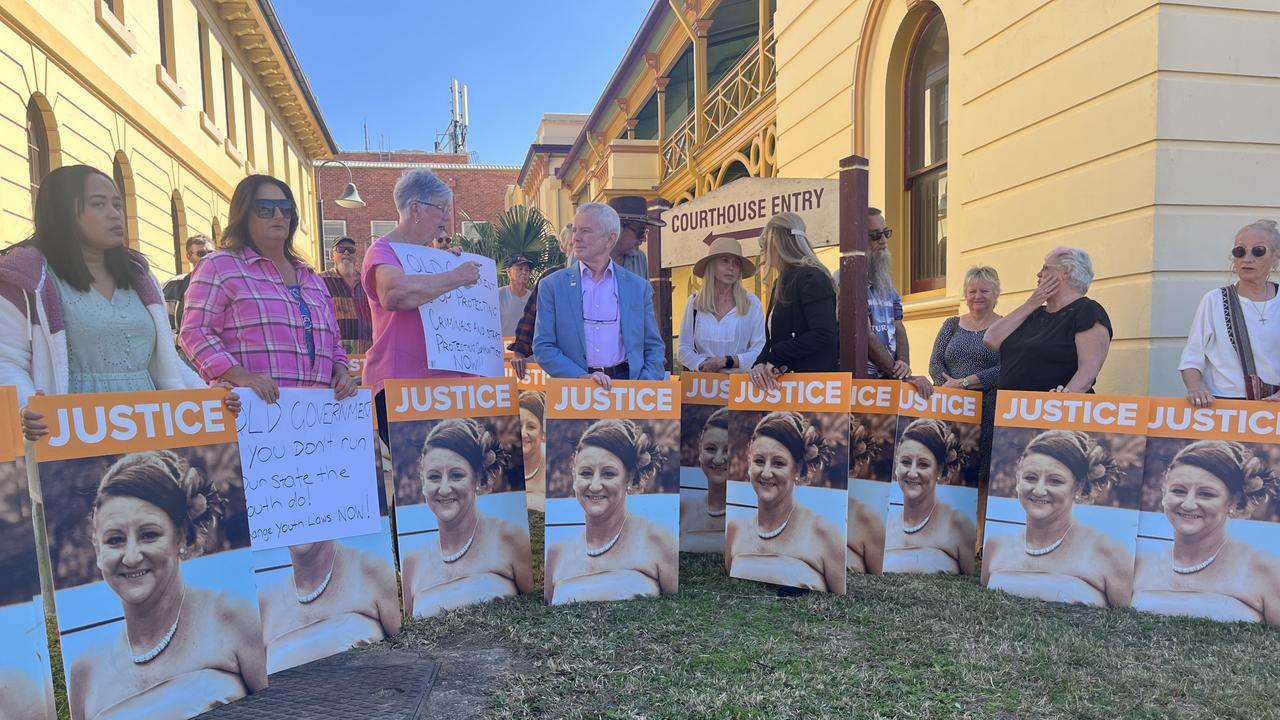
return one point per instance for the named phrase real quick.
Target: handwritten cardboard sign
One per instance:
(308, 468)
(462, 327)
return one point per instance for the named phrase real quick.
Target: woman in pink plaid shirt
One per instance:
(257, 316)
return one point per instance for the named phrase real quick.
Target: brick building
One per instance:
(479, 192)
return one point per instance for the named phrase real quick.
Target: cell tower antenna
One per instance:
(454, 139)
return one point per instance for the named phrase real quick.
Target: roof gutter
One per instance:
(278, 31)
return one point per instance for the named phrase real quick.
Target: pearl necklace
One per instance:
(532, 475)
(1190, 569)
(771, 534)
(717, 513)
(1036, 552)
(310, 597)
(596, 552)
(458, 555)
(151, 654)
(917, 528)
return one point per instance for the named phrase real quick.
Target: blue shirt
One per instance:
(885, 310)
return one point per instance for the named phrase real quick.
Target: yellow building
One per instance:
(179, 99)
(1142, 131)
(538, 185)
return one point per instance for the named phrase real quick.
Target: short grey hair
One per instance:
(1077, 264)
(608, 217)
(986, 274)
(419, 184)
(1268, 228)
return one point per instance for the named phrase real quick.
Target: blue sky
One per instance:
(389, 62)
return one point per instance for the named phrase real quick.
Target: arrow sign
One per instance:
(735, 234)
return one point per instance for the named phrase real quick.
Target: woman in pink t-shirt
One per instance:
(399, 344)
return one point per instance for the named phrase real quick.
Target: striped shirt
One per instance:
(239, 312)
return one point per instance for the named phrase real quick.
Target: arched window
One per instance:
(926, 154)
(39, 157)
(122, 173)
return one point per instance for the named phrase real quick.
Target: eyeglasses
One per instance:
(639, 229)
(442, 208)
(1257, 251)
(345, 250)
(877, 235)
(266, 209)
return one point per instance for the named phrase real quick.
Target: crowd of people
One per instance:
(81, 312)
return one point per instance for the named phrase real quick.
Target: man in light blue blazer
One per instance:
(595, 319)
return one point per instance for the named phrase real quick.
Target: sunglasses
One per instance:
(266, 209)
(638, 229)
(202, 253)
(345, 250)
(1257, 251)
(884, 234)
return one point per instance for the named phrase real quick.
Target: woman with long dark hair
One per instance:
(79, 311)
(257, 315)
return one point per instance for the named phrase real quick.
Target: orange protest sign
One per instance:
(704, 388)
(962, 406)
(637, 399)
(450, 398)
(1238, 420)
(802, 392)
(11, 429)
(875, 397)
(1124, 414)
(535, 378)
(99, 424)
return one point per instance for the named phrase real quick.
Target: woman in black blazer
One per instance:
(800, 325)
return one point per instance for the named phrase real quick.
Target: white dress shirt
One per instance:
(741, 336)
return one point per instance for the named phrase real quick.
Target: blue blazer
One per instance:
(559, 337)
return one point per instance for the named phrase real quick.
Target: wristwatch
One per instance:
(964, 382)
(729, 362)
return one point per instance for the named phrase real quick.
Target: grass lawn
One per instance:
(894, 647)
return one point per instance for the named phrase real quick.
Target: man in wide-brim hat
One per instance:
(633, 212)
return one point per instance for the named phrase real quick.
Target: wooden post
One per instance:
(852, 307)
(660, 277)
(660, 84)
(701, 27)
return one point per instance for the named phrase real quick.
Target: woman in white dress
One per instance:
(723, 325)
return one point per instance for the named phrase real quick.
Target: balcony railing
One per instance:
(750, 79)
(676, 148)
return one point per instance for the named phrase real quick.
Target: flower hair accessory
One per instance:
(197, 507)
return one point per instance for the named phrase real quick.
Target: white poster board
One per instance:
(308, 466)
(462, 327)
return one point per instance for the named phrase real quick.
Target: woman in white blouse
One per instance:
(723, 325)
(1211, 364)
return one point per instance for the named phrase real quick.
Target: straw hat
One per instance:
(725, 246)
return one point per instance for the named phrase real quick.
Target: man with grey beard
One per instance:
(350, 304)
(884, 305)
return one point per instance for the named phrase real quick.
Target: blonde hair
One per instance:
(785, 245)
(986, 274)
(705, 300)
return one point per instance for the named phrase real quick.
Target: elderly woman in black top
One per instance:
(800, 325)
(1057, 340)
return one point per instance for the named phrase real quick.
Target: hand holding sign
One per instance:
(462, 329)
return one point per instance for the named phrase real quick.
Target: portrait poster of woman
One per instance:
(461, 514)
(788, 487)
(26, 690)
(613, 502)
(933, 497)
(873, 429)
(1062, 510)
(704, 461)
(152, 567)
(1209, 530)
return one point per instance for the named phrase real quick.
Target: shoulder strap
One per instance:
(1238, 333)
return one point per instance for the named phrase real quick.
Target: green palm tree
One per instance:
(519, 230)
